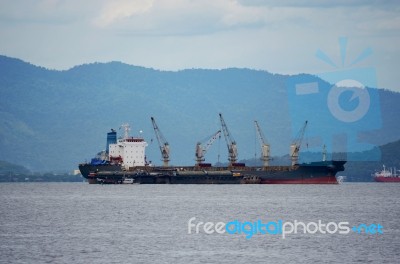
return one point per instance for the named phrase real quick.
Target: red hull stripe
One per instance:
(318, 180)
(387, 179)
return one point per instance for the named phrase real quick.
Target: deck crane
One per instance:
(265, 148)
(230, 142)
(162, 143)
(202, 149)
(296, 144)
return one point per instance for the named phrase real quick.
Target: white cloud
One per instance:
(113, 11)
(178, 16)
(279, 36)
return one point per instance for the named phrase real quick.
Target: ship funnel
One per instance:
(111, 139)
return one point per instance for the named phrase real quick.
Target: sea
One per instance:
(82, 223)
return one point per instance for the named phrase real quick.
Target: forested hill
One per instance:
(53, 120)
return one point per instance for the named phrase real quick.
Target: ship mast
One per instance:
(230, 142)
(265, 148)
(324, 153)
(162, 143)
(202, 149)
(296, 144)
(126, 128)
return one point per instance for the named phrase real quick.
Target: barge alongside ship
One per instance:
(124, 161)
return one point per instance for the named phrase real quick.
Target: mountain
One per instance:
(53, 120)
(7, 168)
(16, 173)
(362, 171)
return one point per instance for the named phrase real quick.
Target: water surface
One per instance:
(82, 223)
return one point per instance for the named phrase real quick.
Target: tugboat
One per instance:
(385, 175)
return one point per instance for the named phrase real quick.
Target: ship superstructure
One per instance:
(128, 151)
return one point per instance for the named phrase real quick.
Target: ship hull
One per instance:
(312, 173)
(317, 180)
(205, 177)
(387, 179)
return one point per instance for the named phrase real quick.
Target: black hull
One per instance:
(312, 173)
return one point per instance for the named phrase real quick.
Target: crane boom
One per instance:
(230, 142)
(162, 143)
(296, 144)
(201, 150)
(265, 148)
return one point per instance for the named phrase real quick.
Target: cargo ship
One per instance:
(387, 175)
(124, 161)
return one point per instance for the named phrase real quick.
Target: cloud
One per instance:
(180, 17)
(184, 17)
(276, 35)
(50, 12)
(320, 4)
(113, 11)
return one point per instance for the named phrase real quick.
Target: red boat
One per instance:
(385, 175)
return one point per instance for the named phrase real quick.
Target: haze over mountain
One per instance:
(53, 120)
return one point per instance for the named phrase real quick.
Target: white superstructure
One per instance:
(391, 172)
(129, 151)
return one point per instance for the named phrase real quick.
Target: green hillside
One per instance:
(53, 120)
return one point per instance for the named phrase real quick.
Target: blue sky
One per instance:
(277, 36)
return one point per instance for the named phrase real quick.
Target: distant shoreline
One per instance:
(45, 177)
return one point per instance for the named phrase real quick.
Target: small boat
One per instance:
(128, 181)
(387, 175)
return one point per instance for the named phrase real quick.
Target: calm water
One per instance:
(82, 223)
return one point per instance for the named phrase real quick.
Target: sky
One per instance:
(277, 36)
